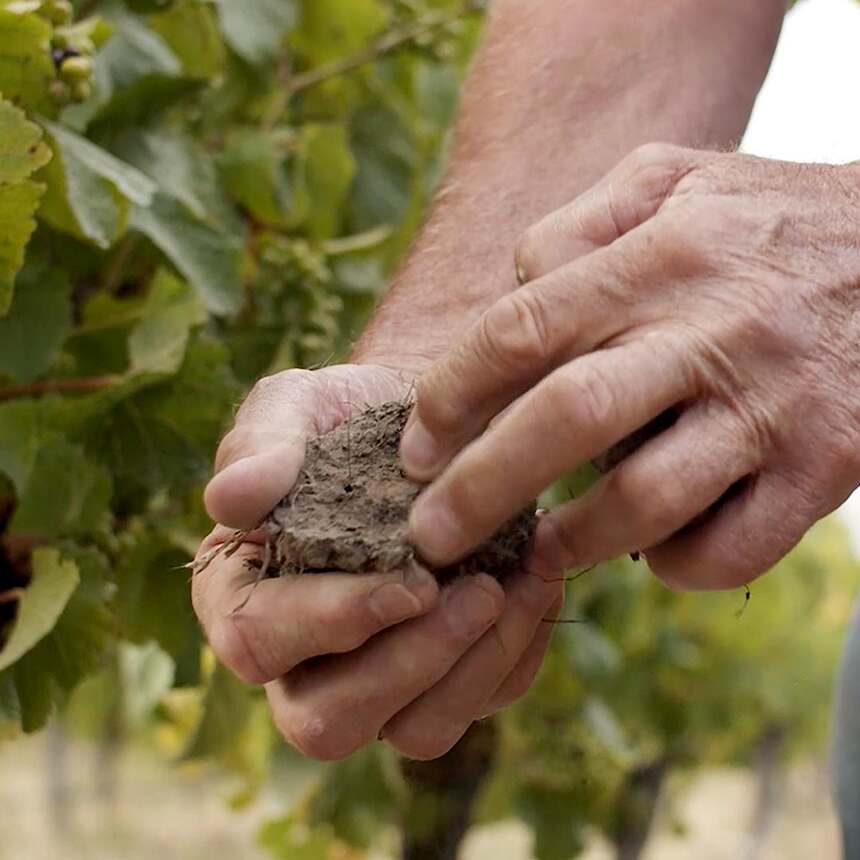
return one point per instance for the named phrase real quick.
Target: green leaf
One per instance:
(43, 601)
(37, 324)
(329, 170)
(157, 344)
(255, 31)
(18, 205)
(22, 152)
(147, 674)
(89, 189)
(181, 168)
(129, 181)
(26, 67)
(332, 29)
(190, 30)
(252, 165)
(66, 494)
(75, 647)
(226, 711)
(209, 259)
(289, 838)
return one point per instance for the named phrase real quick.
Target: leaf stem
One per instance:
(58, 386)
(385, 44)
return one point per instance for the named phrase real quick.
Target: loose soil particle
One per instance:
(349, 509)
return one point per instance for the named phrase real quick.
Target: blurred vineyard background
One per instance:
(194, 193)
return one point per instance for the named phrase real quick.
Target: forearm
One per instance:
(560, 91)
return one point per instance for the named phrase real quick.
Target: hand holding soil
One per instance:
(394, 654)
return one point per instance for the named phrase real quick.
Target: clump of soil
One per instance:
(349, 510)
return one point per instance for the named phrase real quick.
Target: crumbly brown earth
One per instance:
(349, 509)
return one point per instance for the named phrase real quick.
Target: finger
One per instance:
(331, 708)
(288, 620)
(572, 416)
(517, 342)
(259, 460)
(625, 198)
(649, 496)
(521, 679)
(431, 725)
(746, 535)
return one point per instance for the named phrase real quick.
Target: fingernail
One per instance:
(435, 531)
(419, 451)
(470, 607)
(394, 603)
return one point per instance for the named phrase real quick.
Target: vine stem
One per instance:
(58, 386)
(385, 44)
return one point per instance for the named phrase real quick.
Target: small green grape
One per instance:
(80, 91)
(75, 69)
(58, 12)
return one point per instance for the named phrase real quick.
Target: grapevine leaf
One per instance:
(147, 674)
(89, 189)
(153, 599)
(190, 30)
(329, 171)
(332, 29)
(255, 31)
(290, 838)
(209, 259)
(18, 204)
(22, 152)
(26, 67)
(227, 708)
(65, 494)
(252, 165)
(157, 343)
(129, 181)
(182, 169)
(37, 324)
(43, 601)
(75, 647)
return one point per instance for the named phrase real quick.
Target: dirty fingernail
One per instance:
(419, 450)
(393, 603)
(471, 607)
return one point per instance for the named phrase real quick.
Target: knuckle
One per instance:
(313, 734)
(232, 644)
(583, 400)
(528, 255)
(657, 154)
(514, 334)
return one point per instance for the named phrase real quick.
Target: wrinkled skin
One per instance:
(392, 654)
(721, 285)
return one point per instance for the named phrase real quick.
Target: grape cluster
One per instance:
(72, 51)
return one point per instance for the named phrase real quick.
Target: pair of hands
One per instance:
(722, 286)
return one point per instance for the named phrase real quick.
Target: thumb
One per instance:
(259, 460)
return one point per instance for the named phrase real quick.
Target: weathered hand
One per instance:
(344, 657)
(724, 286)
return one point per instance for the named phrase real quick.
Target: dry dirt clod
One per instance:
(349, 509)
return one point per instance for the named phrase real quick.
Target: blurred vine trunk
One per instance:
(443, 794)
(770, 772)
(636, 807)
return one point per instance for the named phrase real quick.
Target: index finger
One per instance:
(575, 414)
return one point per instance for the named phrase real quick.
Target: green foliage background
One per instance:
(224, 199)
